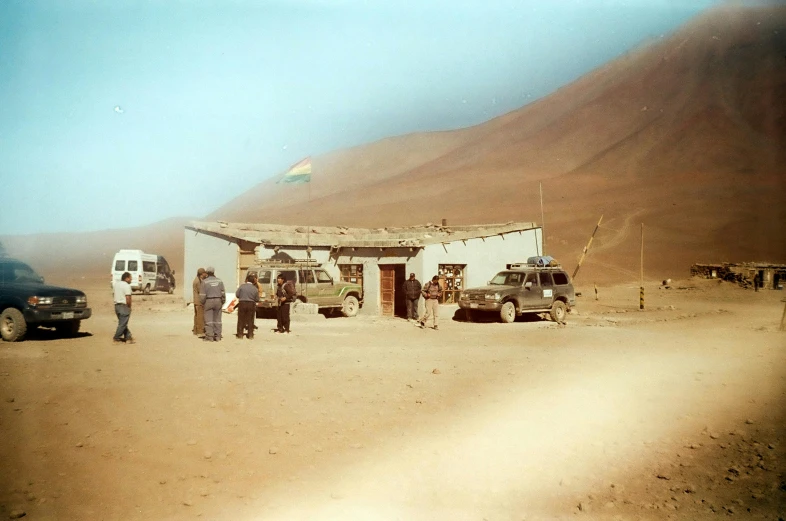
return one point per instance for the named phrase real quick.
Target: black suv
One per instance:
(522, 288)
(25, 301)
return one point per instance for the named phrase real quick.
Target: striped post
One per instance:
(641, 297)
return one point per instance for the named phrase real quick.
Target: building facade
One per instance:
(378, 259)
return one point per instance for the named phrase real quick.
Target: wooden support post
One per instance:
(586, 248)
(783, 318)
(641, 280)
(596, 290)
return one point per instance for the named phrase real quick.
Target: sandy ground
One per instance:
(672, 412)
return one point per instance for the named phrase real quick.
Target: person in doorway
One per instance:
(248, 296)
(213, 296)
(122, 299)
(756, 282)
(432, 292)
(412, 289)
(199, 308)
(285, 295)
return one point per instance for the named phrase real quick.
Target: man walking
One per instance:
(285, 295)
(212, 295)
(412, 289)
(431, 292)
(122, 299)
(199, 308)
(248, 296)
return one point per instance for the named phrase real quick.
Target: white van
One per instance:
(148, 271)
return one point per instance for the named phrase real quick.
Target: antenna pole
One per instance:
(542, 221)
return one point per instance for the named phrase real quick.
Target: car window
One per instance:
(120, 265)
(24, 273)
(148, 266)
(133, 266)
(533, 278)
(560, 279)
(264, 277)
(545, 280)
(306, 276)
(289, 275)
(322, 276)
(508, 278)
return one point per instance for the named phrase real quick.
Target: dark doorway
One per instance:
(391, 280)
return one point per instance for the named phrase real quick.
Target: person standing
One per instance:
(248, 296)
(412, 289)
(213, 296)
(285, 295)
(199, 308)
(432, 291)
(122, 299)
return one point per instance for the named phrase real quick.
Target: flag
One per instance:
(298, 173)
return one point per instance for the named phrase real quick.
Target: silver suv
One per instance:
(522, 288)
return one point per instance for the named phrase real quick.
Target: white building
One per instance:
(379, 259)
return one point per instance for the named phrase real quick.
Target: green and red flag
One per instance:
(298, 173)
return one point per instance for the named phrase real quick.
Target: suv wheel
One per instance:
(350, 306)
(558, 312)
(508, 312)
(12, 325)
(70, 328)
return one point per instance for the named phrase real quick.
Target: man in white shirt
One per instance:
(122, 299)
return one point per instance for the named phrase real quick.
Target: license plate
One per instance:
(473, 305)
(68, 314)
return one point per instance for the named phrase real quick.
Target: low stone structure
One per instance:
(771, 276)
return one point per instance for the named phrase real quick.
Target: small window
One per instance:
(133, 266)
(545, 280)
(148, 266)
(322, 276)
(264, 277)
(533, 278)
(306, 276)
(120, 265)
(560, 279)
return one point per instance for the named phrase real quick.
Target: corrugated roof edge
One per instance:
(341, 236)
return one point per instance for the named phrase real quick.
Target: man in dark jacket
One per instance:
(199, 308)
(247, 296)
(412, 289)
(285, 295)
(213, 296)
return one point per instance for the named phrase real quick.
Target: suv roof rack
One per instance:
(524, 265)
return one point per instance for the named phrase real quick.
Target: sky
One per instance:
(124, 113)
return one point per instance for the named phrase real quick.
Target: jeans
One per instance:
(123, 313)
(283, 317)
(412, 308)
(213, 319)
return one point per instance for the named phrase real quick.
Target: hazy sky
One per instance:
(121, 113)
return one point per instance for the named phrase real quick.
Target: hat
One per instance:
(411, 275)
(200, 271)
(210, 269)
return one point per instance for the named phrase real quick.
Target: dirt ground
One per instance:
(675, 412)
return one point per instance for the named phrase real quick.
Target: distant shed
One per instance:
(379, 259)
(772, 276)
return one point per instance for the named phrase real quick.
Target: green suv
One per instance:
(522, 288)
(313, 284)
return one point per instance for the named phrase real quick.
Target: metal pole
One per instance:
(542, 222)
(641, 279)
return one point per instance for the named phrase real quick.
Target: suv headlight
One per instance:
(39, 301)
(491, 296)
(81, 300)
(464, 296)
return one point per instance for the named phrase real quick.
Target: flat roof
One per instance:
(343, 237)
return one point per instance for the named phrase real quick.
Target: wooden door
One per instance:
(387, 284)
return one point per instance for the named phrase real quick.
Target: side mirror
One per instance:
(528, 284)
(173, 272)
(41, 280)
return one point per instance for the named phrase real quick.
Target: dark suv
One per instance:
(522, 288)
(25, 302)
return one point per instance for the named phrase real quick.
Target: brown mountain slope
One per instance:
(686, 135)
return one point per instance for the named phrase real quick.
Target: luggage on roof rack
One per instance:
(543, 261)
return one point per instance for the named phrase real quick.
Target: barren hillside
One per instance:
(686, 135)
